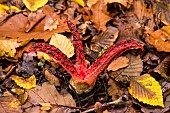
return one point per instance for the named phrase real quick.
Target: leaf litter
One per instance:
(101, 24)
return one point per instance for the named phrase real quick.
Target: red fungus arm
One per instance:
(55, 53)
(81, 62)
(112, 53)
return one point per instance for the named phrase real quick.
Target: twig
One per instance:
(119, 100)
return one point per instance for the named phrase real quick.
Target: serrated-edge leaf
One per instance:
(147, 90)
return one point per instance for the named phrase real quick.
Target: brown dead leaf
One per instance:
(98, 17)
(162, 11)
(134, 68)
(144, 13)
(52, 79)
(36, 33)
(163, 68)
(9, 104)
(113, 90)
(159, 38)
(120, 62)
(33, 19)
(104, 39)
(48, 94)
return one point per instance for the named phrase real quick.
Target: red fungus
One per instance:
(80, 72)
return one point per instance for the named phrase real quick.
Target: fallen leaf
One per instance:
(164, 9)
(36, 33)
(104, 39)
(147, 90)
(134, 67)
(120, 62)
(8, 47)
(163, 68)
(25, 83)
(33, 5)
(63, 44)
(45, 106)
(9, 104)
(98, 17)
(113, 90)
(52, 79)
(144, 13)
(91, 2)
(23, 97)
(80, 2)
(47, 93)
(159, 38)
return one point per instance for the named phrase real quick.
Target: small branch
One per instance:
(116, 102)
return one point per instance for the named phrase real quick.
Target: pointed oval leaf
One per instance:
(147, 90)
(63, 44)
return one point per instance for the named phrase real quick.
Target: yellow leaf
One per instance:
(33, 5)
(25, 83)
(45, 106)
(3, 8)
(63, 44)
(18, 91)
(147, 90)
(8, 47)
(80, 2)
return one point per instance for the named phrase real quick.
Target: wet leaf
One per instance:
(25, 83)
(8, 47)
(147, 90)
(33, 5)
(120, 62)
(159, 38)
(104, 39)
(62, 43)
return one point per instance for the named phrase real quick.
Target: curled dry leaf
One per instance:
(163, 68)
(8, 47)
(98, 17)
(52, 79)
(25, 83)
(147, 90)
(33, 5)
(133, 69)
(63, 44)
(159, 38)
(119, 63)
(104, 39)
